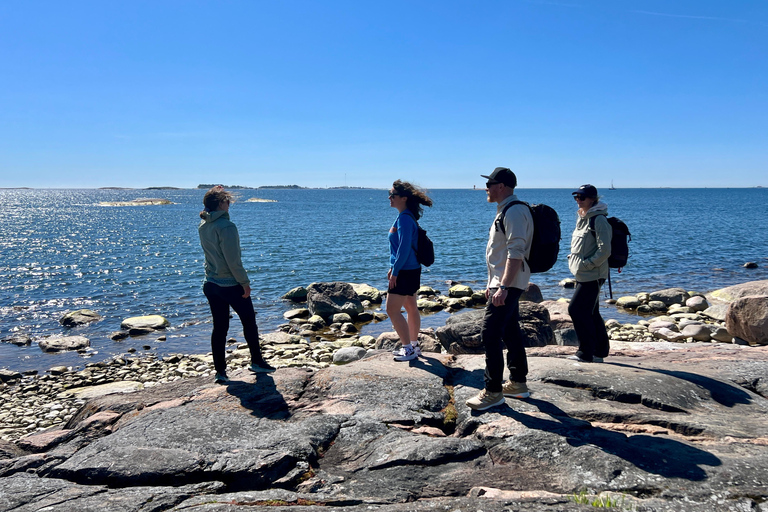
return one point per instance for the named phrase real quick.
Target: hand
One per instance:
(487, 293)
(499, 297)
(247, 290)
(392, 280)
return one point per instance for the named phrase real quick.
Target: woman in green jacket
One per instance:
(226, 282)
(588, 262)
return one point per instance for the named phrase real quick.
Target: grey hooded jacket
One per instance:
(588, 260)
(221, 244)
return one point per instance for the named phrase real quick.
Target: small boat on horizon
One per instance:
(612, 187)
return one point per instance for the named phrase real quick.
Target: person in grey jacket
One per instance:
(588, 262)
(226, 282)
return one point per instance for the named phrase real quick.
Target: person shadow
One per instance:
(261, 397)
(654, 454)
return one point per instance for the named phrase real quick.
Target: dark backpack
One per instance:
(620, 237)
(425, 249)
(546, 235)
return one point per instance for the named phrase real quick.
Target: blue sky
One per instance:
(326, 93)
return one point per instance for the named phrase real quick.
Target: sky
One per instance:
(360, 93)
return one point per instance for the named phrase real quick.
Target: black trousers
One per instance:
(584, 309)
(501, 325)
(220, 298)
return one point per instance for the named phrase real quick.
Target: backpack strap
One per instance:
(592, 224)
(499, 222)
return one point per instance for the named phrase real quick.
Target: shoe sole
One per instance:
(406, 358)
(518, 395)
(483, 408)
(261, 370)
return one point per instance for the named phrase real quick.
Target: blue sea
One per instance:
(61, 251)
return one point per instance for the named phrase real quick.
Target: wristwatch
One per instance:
(502, 287)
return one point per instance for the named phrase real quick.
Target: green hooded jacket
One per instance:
(221, 244)
(588, 260)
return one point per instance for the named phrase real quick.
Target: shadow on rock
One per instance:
(723, 393)
(661, 456)
(261, 397)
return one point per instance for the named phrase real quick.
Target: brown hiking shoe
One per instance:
(515, 389)
(485, 400)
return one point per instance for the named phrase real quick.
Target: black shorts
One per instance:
(408, 282)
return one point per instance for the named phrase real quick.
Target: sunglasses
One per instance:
(579, 197)
(392, 194)
(489, 184)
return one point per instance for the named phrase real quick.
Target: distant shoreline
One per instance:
(291, 187)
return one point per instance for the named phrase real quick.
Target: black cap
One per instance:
(586, 191)
(502, 175)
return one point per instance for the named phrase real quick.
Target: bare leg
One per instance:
(414, 317)
(394, 305)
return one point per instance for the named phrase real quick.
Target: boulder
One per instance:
(699, 332)
(461, 334)
(657, 305)
(367, 292)
(427, 341)
(327, 299)
(749, 289)
(341, 318)
(460, 290)
(145, 323)
(279, 338)
(568, 282)
(559, 318)
(428, 305)
(347, 355)
(427, 291)
(628, 302)
(6, 375)
(18, 339)
(670, 296)
(298, 294)
(747, 318)
(668, 335)
(532, 293)
(296, 313)
(62, 343)
(697, 303)
(79, 317)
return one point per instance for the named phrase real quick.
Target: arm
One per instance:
(229, 242)
(511, 268)
(603, 235)
(405, 232)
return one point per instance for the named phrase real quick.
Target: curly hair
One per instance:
(214, 197)
(416, 197)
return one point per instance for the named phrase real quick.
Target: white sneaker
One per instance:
(406, 353)
(417, 349)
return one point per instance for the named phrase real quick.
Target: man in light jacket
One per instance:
(509, 244)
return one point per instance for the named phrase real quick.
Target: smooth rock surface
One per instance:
(747, 318)
(147, 322)
(62, 343)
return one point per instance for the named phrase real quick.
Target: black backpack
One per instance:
(546, 235)
(620, 237)
(425, 249)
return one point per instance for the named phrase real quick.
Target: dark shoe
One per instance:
(221, 378)
(261, 367)
(596, 359)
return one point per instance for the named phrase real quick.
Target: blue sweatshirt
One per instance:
(403, 237)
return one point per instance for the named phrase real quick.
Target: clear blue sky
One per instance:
(322, 93)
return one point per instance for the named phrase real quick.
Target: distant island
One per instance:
(211, 185)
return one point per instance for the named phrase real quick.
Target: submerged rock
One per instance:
(79, 317)
(62, 343)
(146, 323)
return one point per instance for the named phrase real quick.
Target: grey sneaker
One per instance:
(221, 378)
(417, 349)
(261, 367)
(485, 400)
(406, 353)
(596, 359)
(515, 389)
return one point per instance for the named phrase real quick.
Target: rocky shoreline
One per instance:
(674, 420)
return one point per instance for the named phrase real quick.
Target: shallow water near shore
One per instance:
(61, 251)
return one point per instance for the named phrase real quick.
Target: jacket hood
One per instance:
(212, 216)
(599, 209)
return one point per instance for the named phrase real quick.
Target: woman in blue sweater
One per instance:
(404, 274)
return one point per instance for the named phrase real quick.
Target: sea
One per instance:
(60, 250)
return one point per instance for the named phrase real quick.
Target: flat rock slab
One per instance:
(125, 386)
(145, 323)
(668, 426)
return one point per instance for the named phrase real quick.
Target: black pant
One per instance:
(501, 323)
(584, 309)
(220, 298)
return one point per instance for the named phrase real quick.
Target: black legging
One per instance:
(584, 309)
(220, 298)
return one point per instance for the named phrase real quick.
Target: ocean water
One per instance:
(61, 251)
